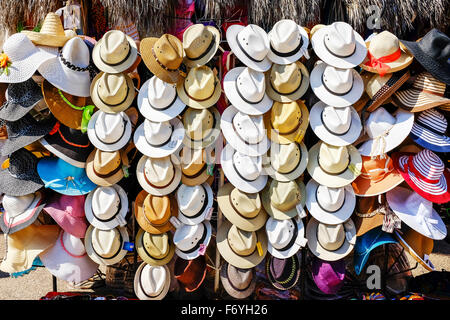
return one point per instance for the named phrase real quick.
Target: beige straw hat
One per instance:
(200, 44)
(51, 34)
(287, 83)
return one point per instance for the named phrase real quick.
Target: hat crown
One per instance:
(106, 161)
(196, 40)
(192, 160)
(249, 128)
(247, 205)
(337, 80)
(157, 209)
(52, 25)
(191, 199)
(15, 206)
(340, 39)
(159, 171)
(112, 89)
(330, 237)
(153, 279)
(376, 168)
(114, 47)
(383, 44)
(285, 117)
(242, 242)
(106, 243)
(110, 127)
(248, 167)
(251, 85)
(105, 202)
(200, 83)
(426, 81)
(239, 278)
(72, 244)
(187, 236)
(433, 119)
(18, 47)
(168, 49)
(285, 78)
(284, 195)
(284, 158)
(160, 93)
(428, 164)
(333, 159)
(157, 133)
(76, 52)
(379, 123)
(198, 123)
(157, 245)
(254, 40)
(285, 36)
(331, 199)
(280, 232)
(337, 120)
(436, 45)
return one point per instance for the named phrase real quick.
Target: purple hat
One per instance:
(283, 273)
(328, 275)
(68, 212)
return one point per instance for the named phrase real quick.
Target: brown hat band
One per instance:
(111, 173)
(210, 46)
(181, 72)
(156, 187)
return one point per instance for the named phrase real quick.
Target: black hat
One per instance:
(283, 273)
(433, 53)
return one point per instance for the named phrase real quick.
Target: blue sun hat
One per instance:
(63, 177)
(366, 243)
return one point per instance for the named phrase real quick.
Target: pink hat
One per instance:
(68, 212)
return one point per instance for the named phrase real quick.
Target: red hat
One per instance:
(190, 273)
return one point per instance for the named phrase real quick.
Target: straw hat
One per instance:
(430, 131)
(287, 162)
(155, 249)
(202, 127)
(195, 164)
(200, 44)
(194, 203)
(334, 166)
(106, 247)
(112, 93)
(106, 168)
(151, 282)
(154, 212)
(164, 57)
(190, 274)
(418, 246)
(191, 241)
(369, 214)
(283, 273)
(287, 122)
(242, 209)
(238, 283)
(285, 237)
(51, 33)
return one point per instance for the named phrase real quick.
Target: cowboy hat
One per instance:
(418, 246)
(200, 44)
(238, 283)
(190, 274)
(369, 213)
(196, 165)
(22, 97)
(151, 282)
(191, 241)
(155, 249)
(287, 162)
(51, 33)
(202, 127)
(194, 203)
(328, 275)
(283, 273)
(106, 168)
(106, 247)
(112, 93)
(285, 237)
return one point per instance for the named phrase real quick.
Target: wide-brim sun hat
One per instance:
(422, 257)
(286, 58)
(51, 34)
(147, 257)
(291, 175)
(293, 96)
(138, 289)
(276, 213)
(430, 131)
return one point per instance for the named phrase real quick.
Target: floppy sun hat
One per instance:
(191, 240)
(285, 237)
(106, 168)
(155, 249)
(418, 246)
(287, 162)
(51, 33)
(202, 127)
(200, 44)
(238, 283)
(151, 282)
(328, 275)
(339, 45)
(194, 203)
(190, 274)
(430, 131)
(22, 98)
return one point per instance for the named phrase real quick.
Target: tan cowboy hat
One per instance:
(200, 44)
(287, 83)
(242, 249)
(51, 34)
(202, 127)
(200, 89)
(164, 57)
(154, 212)
(418, 246)
(112, 93)
(242, 209)
(195, 166)
(287, 122)
(155, 249)
(106, 168)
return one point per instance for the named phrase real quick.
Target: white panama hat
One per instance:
(194, 203)
(151, 282)
(285, 237)
(191, 240)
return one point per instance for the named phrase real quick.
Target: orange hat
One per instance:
(418, 246)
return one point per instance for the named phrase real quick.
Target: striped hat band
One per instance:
(427, 166)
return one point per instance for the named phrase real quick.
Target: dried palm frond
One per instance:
(218, 9)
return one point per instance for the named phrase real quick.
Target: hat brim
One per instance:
(411, 251)
(13, 111)
(161, 151)
(52, 144)
(293, 58)
(19, 187)
(196, 253)
(199, 179)
(301, 90)
(322, 253)
(124, 65)
(231, 290)
(293, 174)
(95, 96)
(226, 160)
(139, 292)
(247, 224)
(207, 56)
(277, 213)
(234, 259)
(331, 218)
(44, 39)
(294, 248)
(147, 257)
(100, 181)
(106, 225)
(414, 100)
(193, 221)
(232, 137)
(210, 139)
(152, 113)
(405, 59)
(231, 36)
(73, 225)
(364, 225)
(430, 140)
(229, 87)
(368, 188)
(332, 99)
(196, 104)
(100, 260)
(334, 180)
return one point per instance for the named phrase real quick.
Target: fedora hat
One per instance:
(287, 162)
(106, 247)
(432, 52)
(112, 93)
(284, 200)
(191, 241)
(109, 131)
(159, 139)
(71, 145)
(245, 133)
(22, 97)
(67, 259)
(21, 58)
(339, 45)
(194, 203)
(418, 246)
(287, 122)
(158, 176)
(163, 56)
(51, 33)
(20, 212)
(250, 44)
(386, 54)
(328, 275)
(331, 242)
(330, 205)
(107, 207)
(335, 126)
(287, 83)
(106, 168)
(377, 176)
(155, 249)
(288, 42)
(240, 248)
(385, 131)
(238, 283)
(25, 245)
(245, 88)
(190, 274)
(430, 131)
(283, 273)
(20, 176)
(244, 172)
(202, 127)
(417, 213)
(369, 213)
(242, 209)
(70, 69)
(200, 89)
(115, 52)
(195, 165)
(68, 213)
(334, 166)
(335, 86)
(159, 100)
(63, 177)
(285, 237)
(200, 44)
(154, 212)
(425, 173)
(151, 282)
